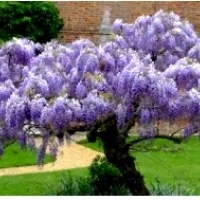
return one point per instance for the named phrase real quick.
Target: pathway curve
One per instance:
(69, 156)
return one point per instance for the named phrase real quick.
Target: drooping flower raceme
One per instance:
(185, 72)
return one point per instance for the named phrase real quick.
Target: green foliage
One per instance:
(72, 186)
(38, 21)
(106, 179)
(103, 179)
(174, 189)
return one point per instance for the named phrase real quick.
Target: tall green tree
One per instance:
(38, 21)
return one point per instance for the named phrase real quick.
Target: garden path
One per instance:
(70, 156)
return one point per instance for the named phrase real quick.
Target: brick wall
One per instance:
(83, 19)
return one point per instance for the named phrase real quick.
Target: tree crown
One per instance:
(149, 72)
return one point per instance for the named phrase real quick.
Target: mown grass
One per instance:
(36, 183)
(14, 156)
(162, 160)
(166, 161)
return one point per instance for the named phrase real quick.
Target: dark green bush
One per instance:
(103, 179)
(106, 179)
(38, 21)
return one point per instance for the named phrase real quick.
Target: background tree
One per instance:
(38, 21)
(103, 90)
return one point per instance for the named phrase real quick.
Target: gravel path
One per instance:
(69, 156)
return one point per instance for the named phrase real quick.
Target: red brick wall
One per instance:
(83, 19)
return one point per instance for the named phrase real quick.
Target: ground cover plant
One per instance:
(148, 73)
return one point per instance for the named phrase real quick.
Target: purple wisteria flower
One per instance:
(117, 26)
(81, 91)
(53, 148)
(147, 115)
(15, 115)
(149, 71)
(35, 84)
(5, 93)
(20, 51)
(163, 35)
(55, 83)
(1, 149)
(121, 116)
(36, 108)
(60, 114)
(185, 72)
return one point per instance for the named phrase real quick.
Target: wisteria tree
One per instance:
(149, 72)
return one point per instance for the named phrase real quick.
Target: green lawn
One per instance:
(29, 184)
(164, 161)
(14, 156)
(167, 162)
(35, 183)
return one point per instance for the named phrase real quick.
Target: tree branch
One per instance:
(175, 132)
(8, 144)
(176, 140)
(130, 123)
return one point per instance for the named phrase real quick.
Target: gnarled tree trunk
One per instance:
(117, 153)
